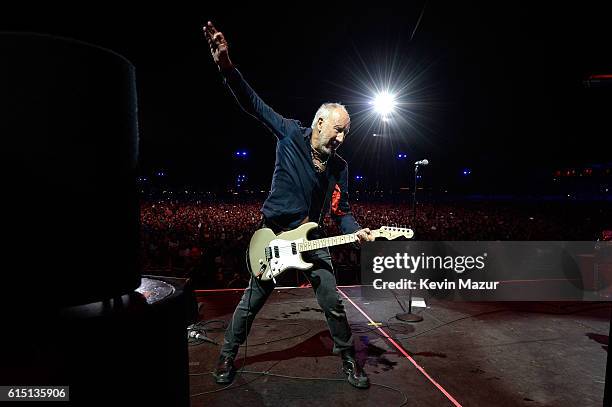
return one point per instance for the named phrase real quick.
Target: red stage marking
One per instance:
(403, 351)
(351, 286)
(540, 280)
(276, 288)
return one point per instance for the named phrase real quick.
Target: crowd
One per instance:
(207, 241)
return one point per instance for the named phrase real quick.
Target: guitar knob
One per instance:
(260, 261)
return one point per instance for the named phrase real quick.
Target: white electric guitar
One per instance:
(271, 254)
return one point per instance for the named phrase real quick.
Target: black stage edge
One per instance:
(607, 401)
(125, 350)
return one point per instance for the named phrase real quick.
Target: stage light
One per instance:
(467, 171)
(384, 103)
(358, 177)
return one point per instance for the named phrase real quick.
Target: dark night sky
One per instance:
(495, 87)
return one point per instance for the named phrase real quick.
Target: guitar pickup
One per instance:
(293, 248)
(268, 252)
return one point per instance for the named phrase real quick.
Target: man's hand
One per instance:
(218, 47)
(365, 235)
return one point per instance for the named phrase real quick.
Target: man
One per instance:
(306, 175)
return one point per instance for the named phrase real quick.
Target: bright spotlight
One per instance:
(384, 103)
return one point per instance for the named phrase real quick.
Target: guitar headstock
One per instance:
(391, 232)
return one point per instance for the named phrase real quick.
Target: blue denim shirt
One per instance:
(297, 189)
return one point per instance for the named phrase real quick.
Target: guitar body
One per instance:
(271, 254)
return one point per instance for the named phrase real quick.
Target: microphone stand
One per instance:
(409, 316)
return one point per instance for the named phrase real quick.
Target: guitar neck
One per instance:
(331, 241)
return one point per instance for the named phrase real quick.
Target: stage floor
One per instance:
(468, 354)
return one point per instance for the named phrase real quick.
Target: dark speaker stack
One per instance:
(70, 307)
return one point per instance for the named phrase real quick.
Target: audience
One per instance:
(207, 240)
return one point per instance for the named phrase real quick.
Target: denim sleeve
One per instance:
(252, 104)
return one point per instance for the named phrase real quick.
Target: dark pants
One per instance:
(323, 282)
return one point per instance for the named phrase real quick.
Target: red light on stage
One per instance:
(598, 81)
(600, 77)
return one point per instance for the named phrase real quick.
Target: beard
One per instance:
(326, 150)
(326, 146)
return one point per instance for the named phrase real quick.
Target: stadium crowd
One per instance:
(207, 240)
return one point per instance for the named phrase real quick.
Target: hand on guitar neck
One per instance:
(364, 235)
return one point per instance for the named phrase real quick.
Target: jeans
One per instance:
(323, 281)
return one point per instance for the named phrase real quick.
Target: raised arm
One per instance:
(242, 91)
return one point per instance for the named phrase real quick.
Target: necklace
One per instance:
(318, 163)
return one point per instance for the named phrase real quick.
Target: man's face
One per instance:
(332, 131)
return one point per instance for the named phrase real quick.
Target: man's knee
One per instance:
(331, 304)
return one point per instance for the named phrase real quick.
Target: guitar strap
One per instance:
(331, 184)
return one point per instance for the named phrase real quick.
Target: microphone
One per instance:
(422, 162)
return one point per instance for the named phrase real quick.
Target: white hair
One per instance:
(325, 110)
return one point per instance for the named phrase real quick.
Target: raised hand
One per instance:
(218, 46)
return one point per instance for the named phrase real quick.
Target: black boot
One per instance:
(355, 374)
(225, 372)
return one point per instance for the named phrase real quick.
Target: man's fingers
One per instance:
(218, 38)
(211, 45)
(365, 235)
(214, 40)
(208, 36)
(211, 28)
